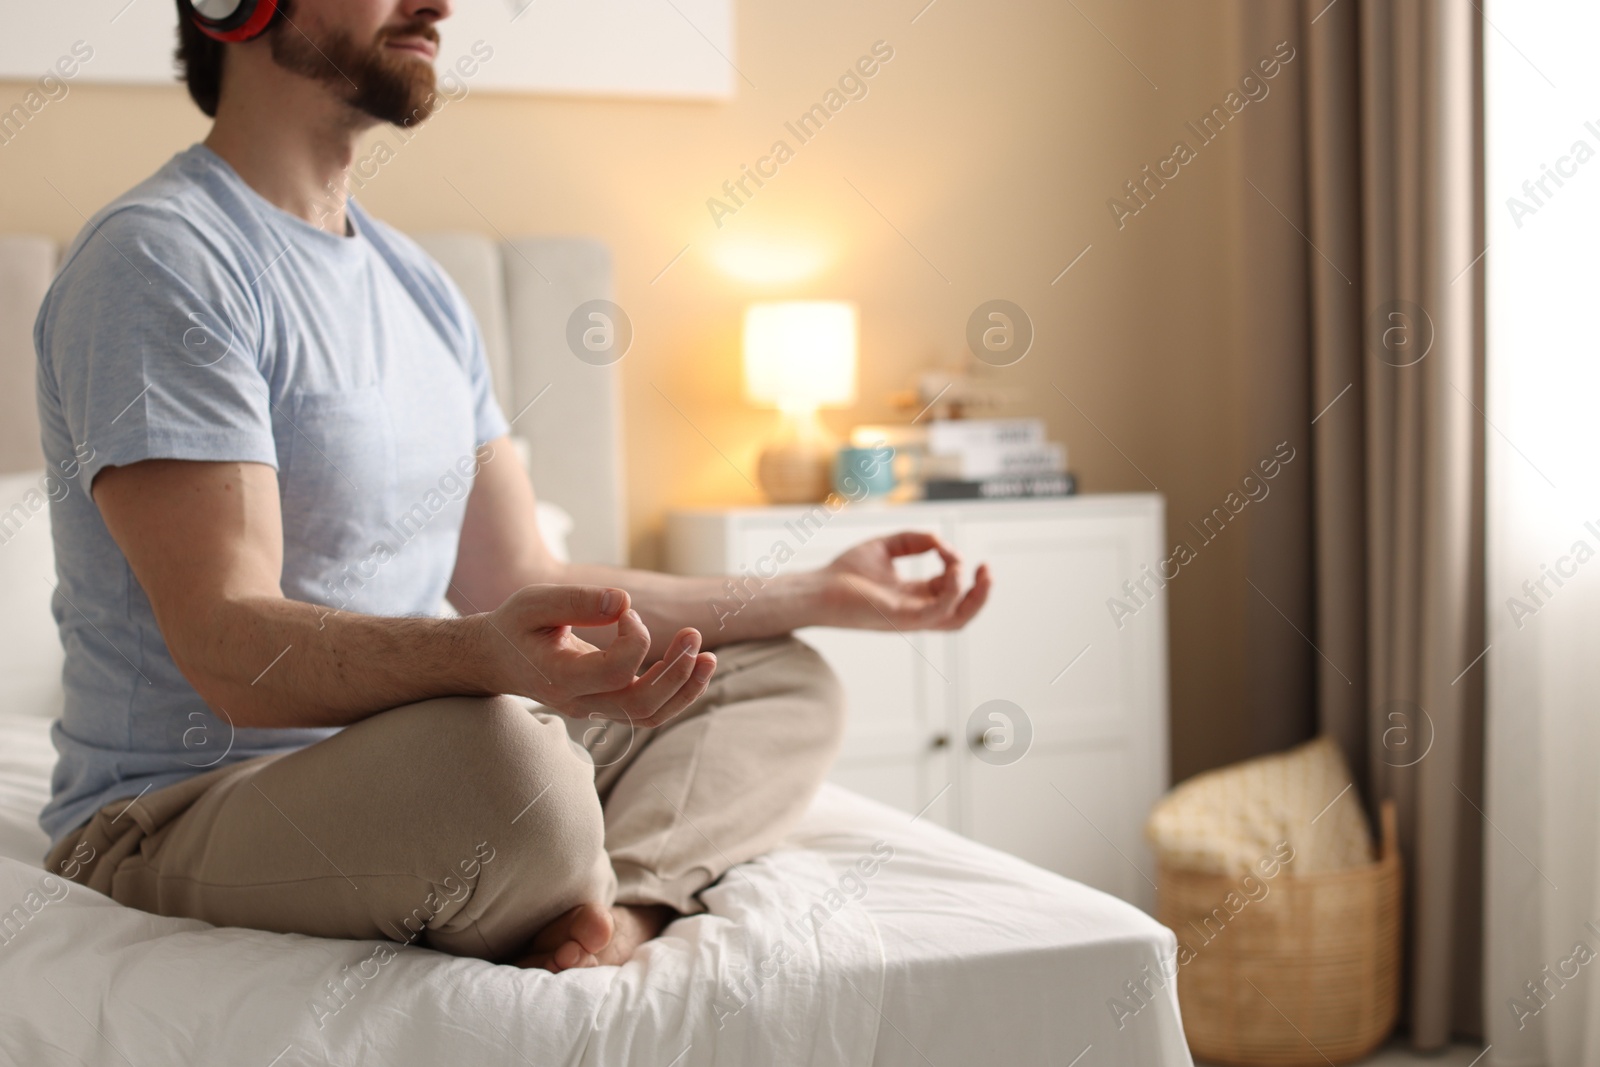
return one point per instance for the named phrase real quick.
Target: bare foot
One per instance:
(633, 925)
(573, 940)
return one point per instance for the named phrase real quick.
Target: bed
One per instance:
(867, 937)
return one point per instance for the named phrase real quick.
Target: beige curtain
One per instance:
(1363, 310)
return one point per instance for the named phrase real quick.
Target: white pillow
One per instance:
(30, 647)
(555, 524)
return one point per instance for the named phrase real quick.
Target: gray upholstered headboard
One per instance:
(26, 266)
(523, 293)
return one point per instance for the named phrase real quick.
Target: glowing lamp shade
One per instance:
(800, 355)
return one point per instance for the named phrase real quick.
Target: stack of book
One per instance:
(993, 459)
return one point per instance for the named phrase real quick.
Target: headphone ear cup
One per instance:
(243, 20)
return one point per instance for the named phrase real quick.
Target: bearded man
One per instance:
(254, 382)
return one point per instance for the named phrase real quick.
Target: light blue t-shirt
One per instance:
(194, 320)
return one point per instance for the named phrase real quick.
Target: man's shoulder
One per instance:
(173, 218)
(153, 259)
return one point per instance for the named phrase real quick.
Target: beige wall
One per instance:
(991, 141)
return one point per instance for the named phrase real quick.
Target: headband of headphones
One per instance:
(232, 20)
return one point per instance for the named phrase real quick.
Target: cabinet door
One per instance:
(896, 749)
(1087, 691)
(1065, 809)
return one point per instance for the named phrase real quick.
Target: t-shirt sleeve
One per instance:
(488, 421)
(151, 339)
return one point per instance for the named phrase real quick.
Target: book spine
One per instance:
(1056, 485)
(977, 464)
(960, 434)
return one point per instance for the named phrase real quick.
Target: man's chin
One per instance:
(423, 105)
(406, 97)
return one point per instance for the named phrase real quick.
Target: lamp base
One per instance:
(796, 467)
(795, 472)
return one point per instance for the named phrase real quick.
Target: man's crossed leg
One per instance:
(477, 826)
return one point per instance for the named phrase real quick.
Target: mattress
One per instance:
(866, 938)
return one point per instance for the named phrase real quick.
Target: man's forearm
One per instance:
(724, 610)
(273, 662)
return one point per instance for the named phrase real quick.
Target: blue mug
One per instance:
(859, 473)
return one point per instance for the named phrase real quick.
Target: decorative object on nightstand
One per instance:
(907, 446)
(860, 472)
(799, 356)
(975, 459)
(961, 393)
(1081, 753)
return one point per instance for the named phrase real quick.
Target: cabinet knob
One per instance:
(940, 741)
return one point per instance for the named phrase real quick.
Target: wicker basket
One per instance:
(1307, 974)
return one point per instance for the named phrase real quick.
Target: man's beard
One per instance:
(393, 89)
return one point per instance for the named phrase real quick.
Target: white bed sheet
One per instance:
(948, 954)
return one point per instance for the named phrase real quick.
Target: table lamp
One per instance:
(799, 355)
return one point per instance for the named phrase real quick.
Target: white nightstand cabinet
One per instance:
(1094, 694)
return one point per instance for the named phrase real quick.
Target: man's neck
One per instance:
(293, 147)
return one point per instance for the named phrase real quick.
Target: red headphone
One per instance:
(232, 20)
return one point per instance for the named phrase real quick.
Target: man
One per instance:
(249, 384)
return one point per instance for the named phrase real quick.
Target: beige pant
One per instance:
(468, 824)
